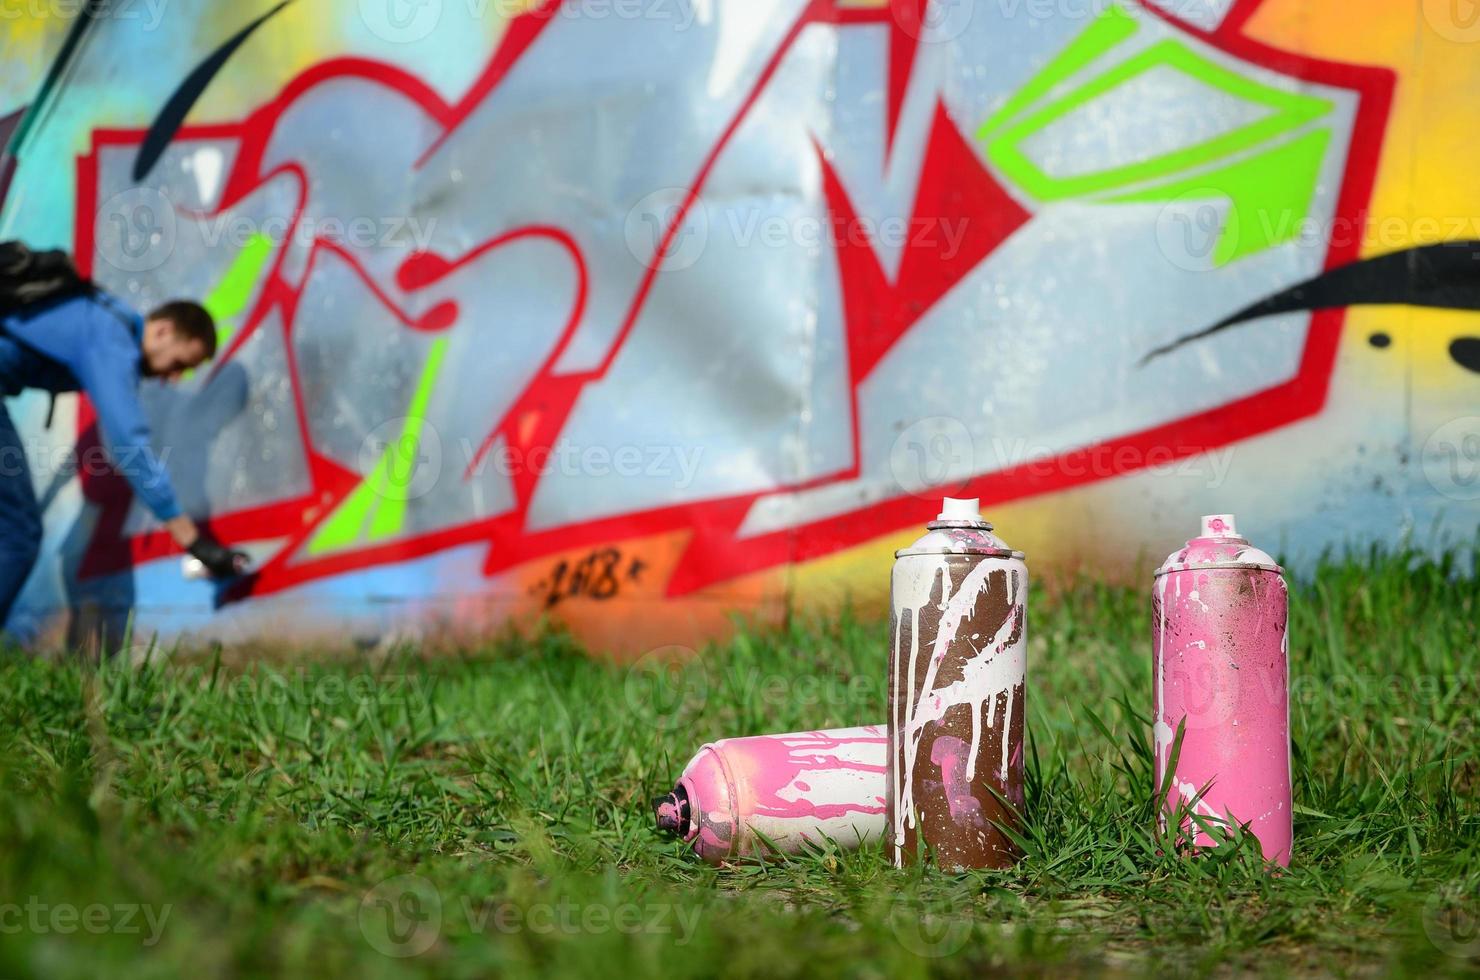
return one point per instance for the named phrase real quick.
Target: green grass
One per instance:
(259, 813)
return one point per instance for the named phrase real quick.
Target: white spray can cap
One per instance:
(953, 509)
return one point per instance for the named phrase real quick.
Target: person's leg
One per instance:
(20, 519)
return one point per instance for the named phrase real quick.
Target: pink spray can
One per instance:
(792, 789)
(1220, 665)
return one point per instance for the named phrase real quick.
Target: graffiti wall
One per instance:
(638, 313)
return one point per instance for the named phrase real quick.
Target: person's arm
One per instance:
(107, 369)
(183, 530)
(126, 434)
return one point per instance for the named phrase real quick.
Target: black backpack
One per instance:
(28, 278)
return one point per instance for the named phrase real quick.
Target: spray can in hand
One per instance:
(1220, 672)
(738, 794)
(957, 676)
(208, 559)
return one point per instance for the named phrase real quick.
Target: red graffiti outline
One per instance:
(714, 552)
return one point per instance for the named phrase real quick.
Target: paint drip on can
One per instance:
(957, 695)
(1220, 670)
(737, 794)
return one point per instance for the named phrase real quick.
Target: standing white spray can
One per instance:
(957, 694)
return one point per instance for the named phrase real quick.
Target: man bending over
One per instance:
(95, 343)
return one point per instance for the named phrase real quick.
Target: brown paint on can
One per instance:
(968, 765)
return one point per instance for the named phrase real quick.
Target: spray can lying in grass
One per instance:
(1220, 672)
(738, 794)
(957, 675)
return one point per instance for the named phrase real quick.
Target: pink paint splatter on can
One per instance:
(1220, 666)
(788, 789)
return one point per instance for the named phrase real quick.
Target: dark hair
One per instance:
(191, 321)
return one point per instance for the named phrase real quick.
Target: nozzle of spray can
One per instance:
(672, 812)
(1220, 526)
(958, 511)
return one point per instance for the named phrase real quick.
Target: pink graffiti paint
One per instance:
(951, 756)
(1220, 669)
(789, 789)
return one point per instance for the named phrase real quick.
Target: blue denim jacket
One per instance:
(91, 344)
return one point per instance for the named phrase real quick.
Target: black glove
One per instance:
(219, 560)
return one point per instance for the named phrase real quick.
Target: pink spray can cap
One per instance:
(1219, 545)
(1220, 526)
